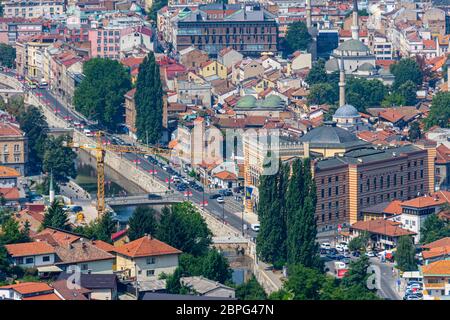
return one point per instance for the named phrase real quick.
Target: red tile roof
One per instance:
(7, 172)
(394, 207)
(29, 249)
(441, 267)
(146, 247)
(7, 129)
(383, 227)
(10, 193)
(436, 199)
(225, 175)
(29, 287)
(104, 246)
(57, 237)
(119, 234)
(438, 243)
(50, 296)
(442, 154)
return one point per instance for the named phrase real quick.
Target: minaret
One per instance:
(308, 14)
(355, 24)
(341, 83)
(52, 190)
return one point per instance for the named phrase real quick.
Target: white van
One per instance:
(88, 133)
(325, 245)
(255, 227)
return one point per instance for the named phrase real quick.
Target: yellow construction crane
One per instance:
(101, 149)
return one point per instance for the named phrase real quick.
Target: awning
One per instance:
(49, 269)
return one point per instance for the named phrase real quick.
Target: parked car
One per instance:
(334, 251)
(255, 227)
(226, 193)
(411, 297)
(325, 245)
(356, 254)
(413, 286)
(371, 254)
(220, 200)
(215, 196)
(152, 196)
(165, 168)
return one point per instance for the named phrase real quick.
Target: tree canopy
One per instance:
(7, 55)
(55, 217)
(297, 37)
(100, 95)
(440, 111)
(149, 101)
(59, 159)
(142, 222)
(405, 254)
(407, 69)
(250, 290)
(434, 229)
(100, 229)
(182, 227)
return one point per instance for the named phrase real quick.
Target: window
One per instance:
(46, 258)
(323, 193)
(151, 260)
(16, 148)
(29, 260)
(337, 190)
(150, 273)
(84, 266)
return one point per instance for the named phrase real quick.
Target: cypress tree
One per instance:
(149, 101)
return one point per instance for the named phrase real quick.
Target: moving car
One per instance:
(255, 227)
(325, 245)
(215, 196)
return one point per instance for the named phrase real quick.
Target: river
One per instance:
(115, 184)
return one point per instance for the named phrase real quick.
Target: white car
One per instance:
(255, 227)
(371, 254)
(220, 200)
(325, 245)
(412, 286)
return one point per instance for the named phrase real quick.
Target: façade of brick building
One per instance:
(248, 28)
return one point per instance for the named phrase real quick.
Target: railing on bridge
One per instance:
(149, 198)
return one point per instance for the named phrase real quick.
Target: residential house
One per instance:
(146, 258)
(96, 286)
(192, 58)
(442, 166)
(417, 210)
(28, 291)
(213, 68)
(205, 287)
(384, 234)
(229, 57)
(13, 147)
(8, 177)
(246, 69)
(436, 250)
(436, 280)
(31, 254)
(120, 237)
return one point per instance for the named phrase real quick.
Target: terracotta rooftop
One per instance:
(57, 237)
(7, 172)
(436, 199)
(10, 193)
(225, 175)
(29, 249)
(7, 129)
(146, 247)
(81, 252)
(49, 296)
(436, 252)
(442, 154)
(104, 246)
(383, 227)
(438, 243)
(29, 287)
(441, 267)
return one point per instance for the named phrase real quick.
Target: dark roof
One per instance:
(94, 281)
(329, 135)
(62, 288)
(365, 156)
(168, 296)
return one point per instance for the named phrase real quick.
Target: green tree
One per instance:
(34, 125)
(317, 74)
(55, 217)
(363, 93)
(183, 227)
(408, 91)
(322, 93)
(297, 37)
(304, 283)
(440, 111)
(7, 55)
(393, 99)
(59, 160)
(414, 132)
(173, 283)
(405, 254)
(100, 95)
(434, 229)
(100, 229)
(156, 6)
(359, 243)
(11, 232)
(271, 239)
(251, 290)
(407, 69)
(212, 265)
(149, 101)
(142, 222)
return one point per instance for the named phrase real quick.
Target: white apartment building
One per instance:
(32, 9)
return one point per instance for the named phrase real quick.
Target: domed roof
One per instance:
(329, 135)
(353, 45)
(271, 101)
(366, 66)
(346, 111)
(246, 102)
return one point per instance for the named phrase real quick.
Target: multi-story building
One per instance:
(32, 9)
(366, 177)
(13, 29)
(436, 280)
(13, 147)
(249, 29)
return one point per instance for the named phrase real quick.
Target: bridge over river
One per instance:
(147, 199)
